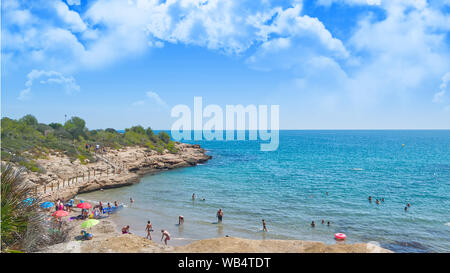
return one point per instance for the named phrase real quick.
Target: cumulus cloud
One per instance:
(108, 30)
(48, 77)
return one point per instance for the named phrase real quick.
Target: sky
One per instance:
(328, 64)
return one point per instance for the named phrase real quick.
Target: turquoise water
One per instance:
(288, 189)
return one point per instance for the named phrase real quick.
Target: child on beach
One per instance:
(126, 230)
(166, 234)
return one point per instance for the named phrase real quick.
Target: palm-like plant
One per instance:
(19, 208)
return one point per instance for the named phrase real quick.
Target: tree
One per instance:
(111, 130)
(55, 125)
(29, 120)
(76, 127)
(164, 137)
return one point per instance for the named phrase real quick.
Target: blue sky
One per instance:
(329, 64)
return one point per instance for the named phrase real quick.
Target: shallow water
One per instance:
(288, 189)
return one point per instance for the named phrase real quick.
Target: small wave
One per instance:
(358, 169)
(447, 224)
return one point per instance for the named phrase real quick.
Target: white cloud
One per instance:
(71, 18)
(49, 77)
(74, 2)
(440, 97)
(151, 97)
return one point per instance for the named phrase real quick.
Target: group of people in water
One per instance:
(408, 205)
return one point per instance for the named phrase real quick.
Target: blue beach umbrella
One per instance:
(29, 201)
(47, 205)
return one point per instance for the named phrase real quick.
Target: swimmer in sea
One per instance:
(180, 219)
(323, 221)
(166, 234)
(313, 224)
(370, 199)
(409, 205)
(378, 202)
(264, 225)
(193, 196)
(149, 229)
(406, 208)
(131, 200)
(328, 223)
(116, 204)
(382, 199)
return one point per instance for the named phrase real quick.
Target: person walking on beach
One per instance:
(149, 229)
(165, 234)
(219, 215)
(264, 225)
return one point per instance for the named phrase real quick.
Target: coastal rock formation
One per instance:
(64, 178)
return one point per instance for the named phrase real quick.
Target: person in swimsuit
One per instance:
(131, 200)
(126, 230)
(219, 215)
(313, 224)
(116, 204)
(180, 220)
(165, 234)
(370, 199)
(149, 229)
(193, 196)
(264, 225)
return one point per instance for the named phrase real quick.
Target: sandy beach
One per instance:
(108, 239)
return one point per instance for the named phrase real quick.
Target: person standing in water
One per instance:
(180, 220)
(131, 200)
(219, 215)
(193, 196)
(264, 225)
(149, 229)
(165, 234)
(313, 224)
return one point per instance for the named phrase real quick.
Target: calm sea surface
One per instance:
(288, 188)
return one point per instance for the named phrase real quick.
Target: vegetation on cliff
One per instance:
(25, 140)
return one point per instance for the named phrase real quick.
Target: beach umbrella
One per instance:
(84, 205)
(46, 205)
(60, 213)
(29, 201)
(89, 223)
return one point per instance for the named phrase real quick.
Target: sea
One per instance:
(313, 176)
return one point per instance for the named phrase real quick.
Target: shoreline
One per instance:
(108, 239)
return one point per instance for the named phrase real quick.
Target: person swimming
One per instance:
(377, 202)
(313, 224)
(328, 223)
(370, 199)
(323, 221)
(131, 200)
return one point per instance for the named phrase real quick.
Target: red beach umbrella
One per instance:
(60, 213)
(84, 205)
